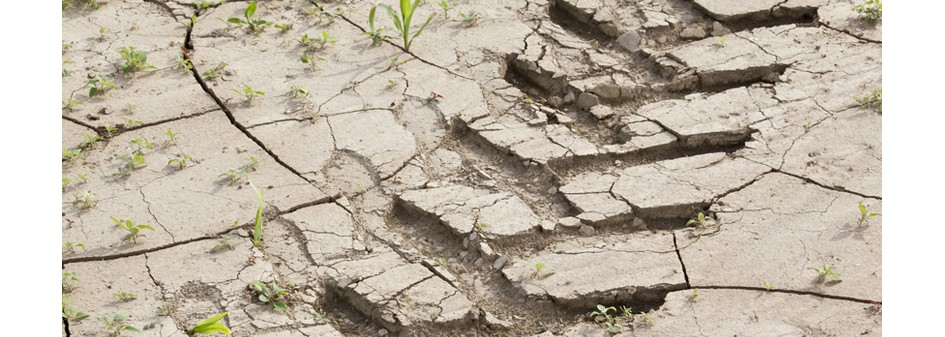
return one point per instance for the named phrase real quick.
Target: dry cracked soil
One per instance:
(679, 167)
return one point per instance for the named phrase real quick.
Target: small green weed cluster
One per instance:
(871, 9)
(827, 274)
(135, 60)
(234, 175)
(872, 101)
(133, 229)
(249, 93)
(613, 323)
(115, 324)
(272, 295)
(256, 26)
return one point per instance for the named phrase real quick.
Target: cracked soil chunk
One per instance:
(464, 209)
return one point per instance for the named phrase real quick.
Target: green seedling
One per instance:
(125, 297)
(110, 130)
(70, 312)
(70, 247)
(135, 61)
(134, 230)
(236, 174)
(403, 19)
(71, 155)
(446, 6)
(249, 93)
(82, 176)
(314, 117)
(694, 297)
(537, 270)
(827, 274)
(311, 60)
(602, 315)
(720, 41)
(298, 92)
(699, 220)
(441, 261)
(171, 137)
(115, 325)
(222, 244)
(130, 123)
(317, 43)
(84, 199)
(646, 319)
(65, 182)
(180, 161)
(140, 144)
(207, 4)
(769, 287)
(70, 104)
(165, 309)
(90, 140)
(626, 312)
(873, 100)
(871, 9)
(271, 295)
(471, 19)
(319, 13)
(255, 25)
(258, 227)
(103, 33)
(865, 215)
(100, 85)
(131, 108)
(283, 27)
(184, 65)
(210, 325)
(374, 33)
(216, 72)
(67, 281)
(133, 162)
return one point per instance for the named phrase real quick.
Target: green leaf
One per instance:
(862, 207)
(260, 287)
(131, 328)
(146, 227)
(280, 305)
(92, 91)
(251, 9)
(371, 18)
(236, 21)
(263, 298)
(211, 325)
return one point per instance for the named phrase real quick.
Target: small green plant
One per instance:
(871, 9)
(125, 297)
(103, 34)
(298, 92)
(180, 161)
(67, 281)
(65, 182)
(171, 137)
(471, 19)
(140, 144)
(403, 19)
(133, 162)
(115, 325)
(135, 61)
(249, 93)
(69, 312)
(694, 297)
(210, 325)
(184, 65)
(90, 140)
(769, 287)
(258, 227)
(374, 33)
(236, 174)
(82, 176)
(319, 13)
(100, 85)
(131, 122)
(255, 25)
(215, 72)
(84, 199)
(110, 130)
(536, 271)
(446, 7)
(165, 309)
(70, 247)
(441, 261)
(133, 229)
(827, 274)
(317, 43)
(699, 220)
(271, 295)
(391, 84)
(311, 60)
(222, 244)
(720, 41)
(70, 104)
(71, 155)
(283, 27)
(865, 215)
(873, 100)
(602, 315)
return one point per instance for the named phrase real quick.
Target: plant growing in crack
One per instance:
(871, 9)
(67, 281)
(65, 182)
(234, 175)
(769, 287)
(403, 19)
(69, 312)
(720, 41)
(110, 130)
(872, 101)
(133, 229)
(699, 220)
(216, 72)
(249, 93)
(374, 33)
(135, 60)
(256, 26)
(602, 316)
(272, 295)
(538, 269)
(165, 309)
(184, 65)
(865, 215)
(115, 324)
(827, 274)
(258, 226)
(319, 13)
(84, 199)
(126, 297)
(210, 325)
(694, 296)
(100, 85)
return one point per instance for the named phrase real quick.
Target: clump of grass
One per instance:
(135, 60)
(872, 101)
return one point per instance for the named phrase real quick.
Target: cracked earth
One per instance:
(502, 178)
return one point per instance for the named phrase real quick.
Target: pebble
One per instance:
(587, 230)
(500, 262)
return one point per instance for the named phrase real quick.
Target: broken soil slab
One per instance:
(724, 61)
(173, 200)
(732, 11)
(841, 16)
(147, 96)
(778, 230)
(584, 272)
(464, 209)
(671, 189)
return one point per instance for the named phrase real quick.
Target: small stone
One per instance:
(591, 217)
(718, 29)
(473, 236)
(495, 323)
(382, 332)
(465, 242)
(485, 250)
(602, 112)
(553, 190)
(500, 262)
(694, 32)
(638, 223)
(569, 222)
(587, 100)
(617, 162)
(478, 262)
(587, 230)
(547, 225)
(630, 41)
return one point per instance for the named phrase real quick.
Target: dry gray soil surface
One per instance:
(522, 164)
